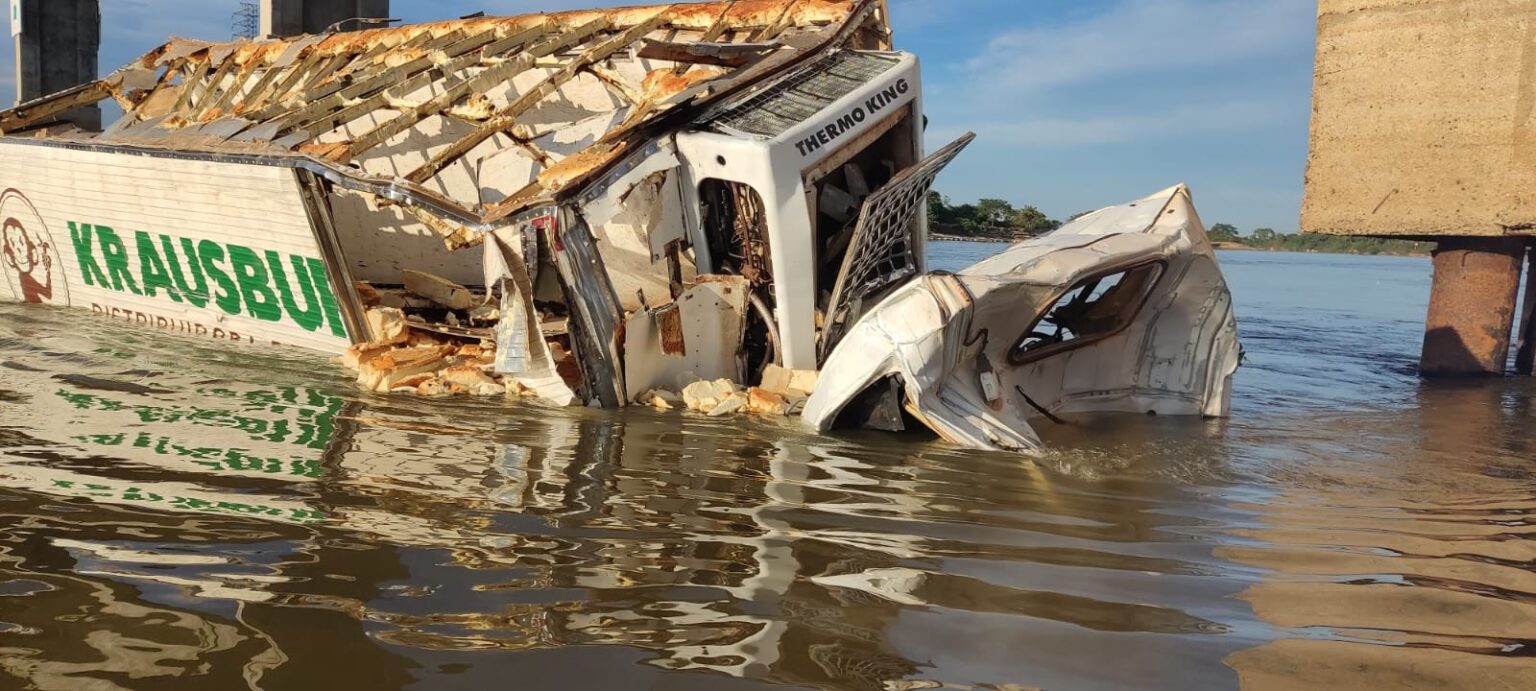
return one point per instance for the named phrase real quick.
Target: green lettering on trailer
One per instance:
(80, 236)
(327, 297)
(226, 298)
(312, 315)
(251, 274)
(196, 294)
(152, 271)
(233, 277)
(115, 256)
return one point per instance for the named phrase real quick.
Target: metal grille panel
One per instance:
(799, 97)
(880, 255)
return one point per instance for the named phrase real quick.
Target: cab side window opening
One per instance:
(1092, 309)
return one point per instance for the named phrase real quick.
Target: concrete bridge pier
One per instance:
(56, 49)
(1422, 129)
(1472, 306)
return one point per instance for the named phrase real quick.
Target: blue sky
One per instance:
(1076, 103)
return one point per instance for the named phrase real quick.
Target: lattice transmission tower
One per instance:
(246, 21)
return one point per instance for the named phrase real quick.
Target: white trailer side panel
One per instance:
(213, 249)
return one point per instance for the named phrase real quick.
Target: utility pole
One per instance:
(246, 21)
(56, 46)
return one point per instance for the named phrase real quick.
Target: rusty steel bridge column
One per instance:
(1471, 306)
(1525, 358)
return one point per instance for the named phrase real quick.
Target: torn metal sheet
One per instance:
(521, 350)
(696, 336)
(1123, 310)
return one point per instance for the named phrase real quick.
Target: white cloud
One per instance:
(1096, 103)
(1172, 69)
(1140, 37)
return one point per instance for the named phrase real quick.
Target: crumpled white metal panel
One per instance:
(949, 339)
(696, 336)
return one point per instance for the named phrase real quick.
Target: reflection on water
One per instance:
(180, 516)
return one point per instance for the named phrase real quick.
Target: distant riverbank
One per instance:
(1361, 251)
(1396, 248)
(968, 238)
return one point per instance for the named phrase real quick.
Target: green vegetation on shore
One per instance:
(990, 219)
(997, 219)
(1267, 239)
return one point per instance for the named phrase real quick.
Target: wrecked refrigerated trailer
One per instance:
(594, 207)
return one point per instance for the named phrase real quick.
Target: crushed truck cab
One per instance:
(1123, 310)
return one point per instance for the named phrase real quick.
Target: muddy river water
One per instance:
(178, 515)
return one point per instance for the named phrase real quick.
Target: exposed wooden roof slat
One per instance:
(507, 117)
(481, 82)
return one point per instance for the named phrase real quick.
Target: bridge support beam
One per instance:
(1525, 357)
(1472, 307)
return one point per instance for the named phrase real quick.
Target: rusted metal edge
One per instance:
(768, 73)
(703, 52)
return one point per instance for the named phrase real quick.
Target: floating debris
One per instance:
(86, 381)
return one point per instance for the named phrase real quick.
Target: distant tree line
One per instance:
(1268, 239)
(987, 218)
(997, 219)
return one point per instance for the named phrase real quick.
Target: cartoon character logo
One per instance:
(28, 257)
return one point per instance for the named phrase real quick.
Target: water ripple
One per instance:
(184, 516)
